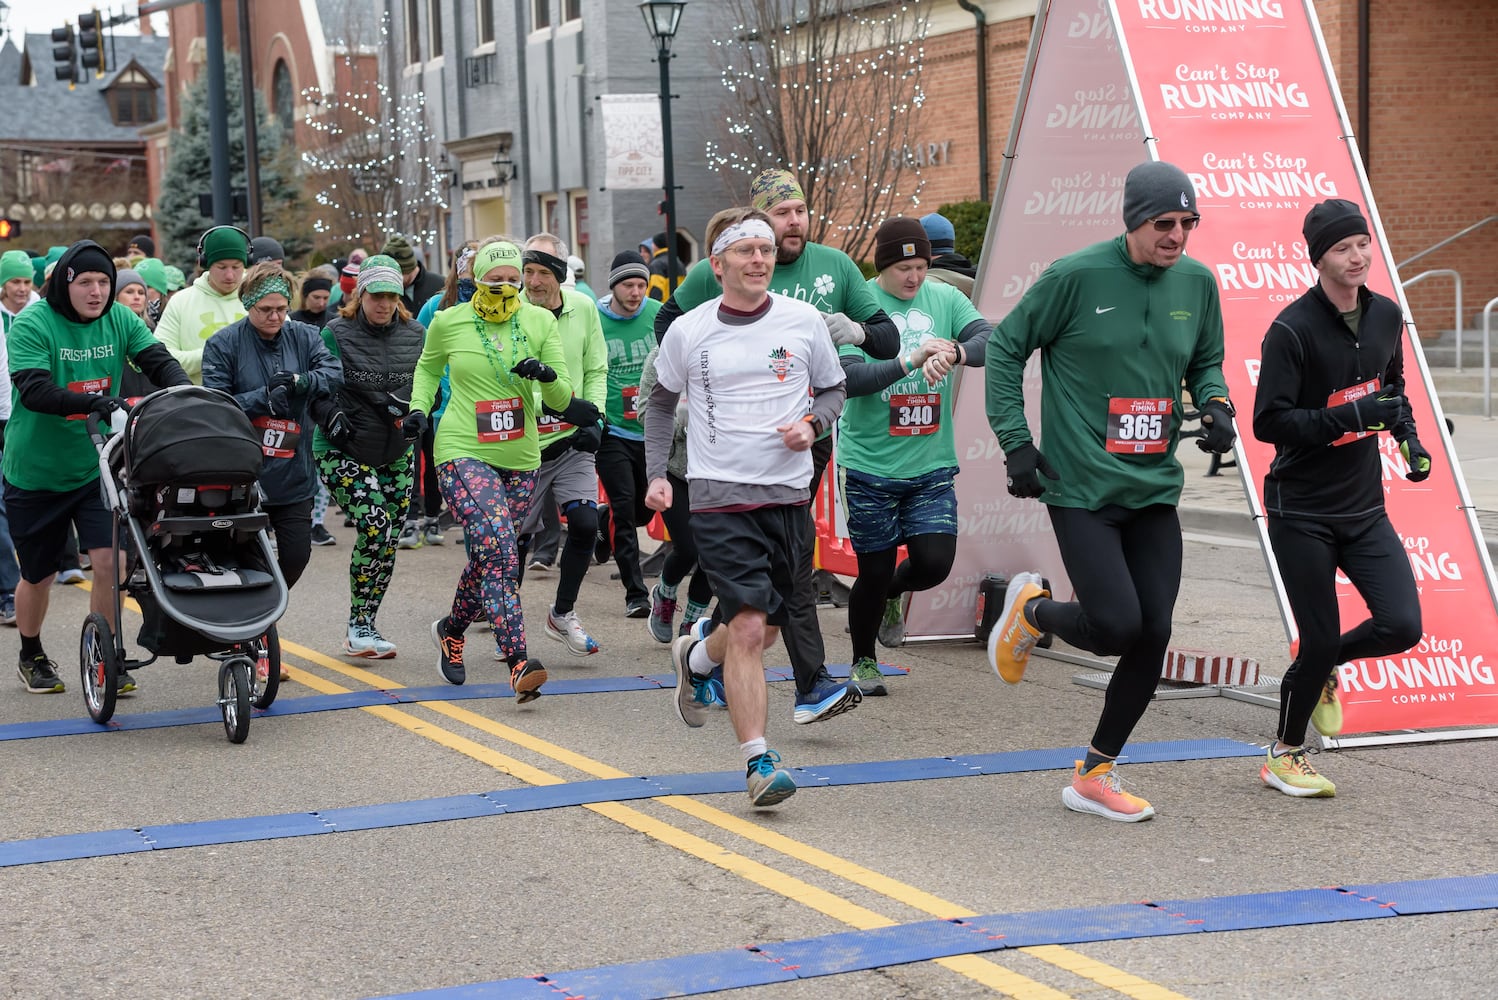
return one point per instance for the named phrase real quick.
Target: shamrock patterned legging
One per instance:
(490, 503)
(376, 497)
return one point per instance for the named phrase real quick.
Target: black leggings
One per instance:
(682, 559)
(292, 523)
(879, 580)
(1371, 555)
(1125, 567)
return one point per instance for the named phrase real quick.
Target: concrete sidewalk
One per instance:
(1218, 504)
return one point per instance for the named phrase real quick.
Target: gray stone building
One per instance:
(518, 81)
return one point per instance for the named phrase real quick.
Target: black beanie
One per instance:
(900, 239)
(145, 244)
(1329, 223)
(627, 264)
(81, 257)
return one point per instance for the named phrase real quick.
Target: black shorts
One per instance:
(39, 522)
(750, 557)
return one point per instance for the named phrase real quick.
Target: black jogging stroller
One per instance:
(180, 484)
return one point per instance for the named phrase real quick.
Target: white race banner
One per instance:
(632, 156)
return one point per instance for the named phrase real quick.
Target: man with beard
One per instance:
(828, 279)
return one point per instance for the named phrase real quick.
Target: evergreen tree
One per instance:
(189, 174)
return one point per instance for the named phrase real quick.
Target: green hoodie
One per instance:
(191, 317)
(1107, 329)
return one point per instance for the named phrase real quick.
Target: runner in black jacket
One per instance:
(1332, 377)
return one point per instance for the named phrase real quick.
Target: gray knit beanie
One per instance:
(1155, 188)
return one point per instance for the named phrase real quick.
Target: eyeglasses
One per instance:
(748, 252)
(269, 311)
(1189, 223)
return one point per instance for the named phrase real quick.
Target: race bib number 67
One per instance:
(1138, 426)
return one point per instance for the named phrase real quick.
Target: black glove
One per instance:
(1022, 464)
(533, 369)
(579, 412)
(279, 398)
(103, 406)
(587, 438)
(414, 425)
(1217, 427)
(1371, 413)
(340, 431)
(293, 383)
(1419, 459)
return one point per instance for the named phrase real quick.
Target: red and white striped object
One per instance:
(1196, 667)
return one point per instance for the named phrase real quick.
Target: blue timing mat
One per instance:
(367, 699)
(854, 951)
(573, 793)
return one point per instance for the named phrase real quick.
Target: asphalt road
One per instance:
(441, 904)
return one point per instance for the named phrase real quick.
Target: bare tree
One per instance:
(826, 89)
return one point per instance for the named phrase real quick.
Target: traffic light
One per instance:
(91, 42)
(10, 229)
(64, 55)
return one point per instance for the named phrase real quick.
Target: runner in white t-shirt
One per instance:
(762, 381)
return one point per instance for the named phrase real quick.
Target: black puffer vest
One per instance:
(378, 364)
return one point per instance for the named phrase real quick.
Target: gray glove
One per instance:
(844, 331)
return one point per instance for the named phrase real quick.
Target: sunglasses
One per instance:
(1187, 224)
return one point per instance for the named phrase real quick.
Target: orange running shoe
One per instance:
(1326, 717)
(526, 678)
(1010, 642)
(1100, 792)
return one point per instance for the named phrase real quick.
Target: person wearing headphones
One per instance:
(210, 303)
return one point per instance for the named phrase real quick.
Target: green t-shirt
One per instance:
(906, 430)
(491, 414)
(823, 276)
(51, 453)
(629, 341)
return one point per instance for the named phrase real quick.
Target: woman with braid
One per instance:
(362, 454)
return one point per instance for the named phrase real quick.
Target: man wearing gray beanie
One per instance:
(1120, 326)
(1331, 379)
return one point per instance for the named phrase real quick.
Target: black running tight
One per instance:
(928, 563)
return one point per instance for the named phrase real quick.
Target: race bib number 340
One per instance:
(914, 414)
(1139, 426)
(500, 420)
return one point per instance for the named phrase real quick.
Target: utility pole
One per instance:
(218, 114)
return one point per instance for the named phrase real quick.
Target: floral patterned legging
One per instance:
(376, 497)
(490, 503)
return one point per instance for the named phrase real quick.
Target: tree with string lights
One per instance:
(372, 164)
(827, 89)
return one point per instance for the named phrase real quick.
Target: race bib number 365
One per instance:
(1138, 426)
(500, 420)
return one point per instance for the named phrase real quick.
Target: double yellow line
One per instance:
(974, 967)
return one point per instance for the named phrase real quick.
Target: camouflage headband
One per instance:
(772, 187)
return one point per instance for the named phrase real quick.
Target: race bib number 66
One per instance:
(1138, 426)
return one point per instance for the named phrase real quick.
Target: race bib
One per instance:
(278, 438)
(547, 424)
(1138, 426)
(631, 395)
(1348, 395)
(500, 419)
(914, 414)
(91, 386)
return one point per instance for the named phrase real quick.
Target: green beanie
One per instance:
(15, 264)
(224, 243)
(175, 279)
(153, 273)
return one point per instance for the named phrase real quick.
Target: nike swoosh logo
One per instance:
(1101, 310)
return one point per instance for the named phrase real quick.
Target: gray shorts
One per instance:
(569, 478)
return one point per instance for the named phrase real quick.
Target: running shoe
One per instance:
(410, 537)
(694, 694)
(568, 630)
(1292, 774)
(603, 547)
(827, 699)
(866, 675)
(1326, 717)
(892, 625)
(126, 684)
(70, 576)
(1009, 644)
(637, 607)
(7, 609)
(769, 784)
(1101, 793)
(431, 532)
(39, 674)
(526, 678)
(449, 651)
(364, 640)
(662, 614)
(539, 565)
(322, 536)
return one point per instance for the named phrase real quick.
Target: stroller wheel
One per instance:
(99, 668)
(267, 686)
(234, 680)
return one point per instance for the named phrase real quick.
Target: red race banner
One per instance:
(1240, 94)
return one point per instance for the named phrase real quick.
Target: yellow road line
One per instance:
(917, 899)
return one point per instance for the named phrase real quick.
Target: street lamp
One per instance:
(662, 18)
(504, 167)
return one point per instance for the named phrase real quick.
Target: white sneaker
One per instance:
(568, 630)
(69, 576)
(364, 641)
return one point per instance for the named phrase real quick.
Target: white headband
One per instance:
(748, 229)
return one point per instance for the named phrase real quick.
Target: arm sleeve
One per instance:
(660, 408)
(972, 333)
(827, 403)
(865, 377)
(40, 394)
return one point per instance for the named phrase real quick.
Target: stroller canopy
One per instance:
(190, 434)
